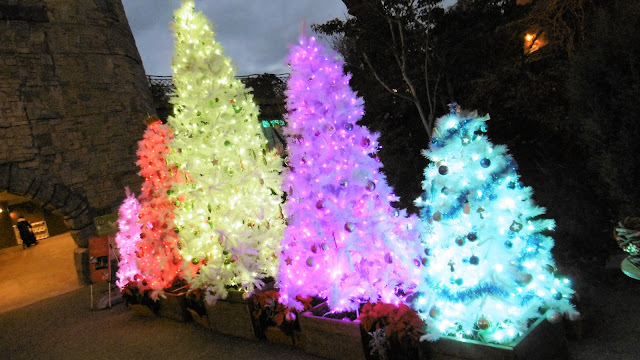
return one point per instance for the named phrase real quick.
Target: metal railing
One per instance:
(165, 82)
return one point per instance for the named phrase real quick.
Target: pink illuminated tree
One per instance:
(344, 240)
(127, 239)
(159, 258)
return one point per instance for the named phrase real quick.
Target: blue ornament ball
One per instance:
(370, 185)
(349, 226)
(485, 163)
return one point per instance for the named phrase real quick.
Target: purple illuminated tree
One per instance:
(344, 240)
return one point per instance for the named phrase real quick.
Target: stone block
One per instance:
(35, 186)
(5, 175)
(60, 195)
(81, 237)
(23, 12)
(83, 219)
(43, 140)
(47, 150)
(44, 192)
(81, 261)
(21, 179)
(330, 338)
(232, 316)
(31, 164)
(74, 206)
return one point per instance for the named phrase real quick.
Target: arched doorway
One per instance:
(28, 275)
(69, 223)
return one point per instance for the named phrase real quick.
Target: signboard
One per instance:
(272, 123)
(99, 261)
(106, 224)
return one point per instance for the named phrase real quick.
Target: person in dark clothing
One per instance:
(26, 233)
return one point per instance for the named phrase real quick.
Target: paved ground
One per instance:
(38, 272)
(62, 325)
(610, 326)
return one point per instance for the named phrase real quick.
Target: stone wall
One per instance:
(73, 100)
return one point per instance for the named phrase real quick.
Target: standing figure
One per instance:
(26, 232)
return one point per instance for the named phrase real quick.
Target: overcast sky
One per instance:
(255, 34)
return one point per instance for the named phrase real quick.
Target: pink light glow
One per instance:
(127, 239)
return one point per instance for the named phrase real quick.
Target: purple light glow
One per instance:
(334, 167)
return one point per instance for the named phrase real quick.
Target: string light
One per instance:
(343, 240)
(486, 242)
(127, 240)
(229, 222)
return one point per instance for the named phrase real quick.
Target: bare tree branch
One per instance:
(375, 74)
(394, 42)
(403, 48)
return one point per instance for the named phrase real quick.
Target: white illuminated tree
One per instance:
(490, 271)
(230, 220)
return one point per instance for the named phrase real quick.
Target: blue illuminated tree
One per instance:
(491, 272)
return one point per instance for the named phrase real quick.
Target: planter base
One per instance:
(275, 335)
(200, 319)
(231, 316)
(331, 338)
(174, 307)
(543, 341)
(141, 310)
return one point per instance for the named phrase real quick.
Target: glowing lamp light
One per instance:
(534, 41)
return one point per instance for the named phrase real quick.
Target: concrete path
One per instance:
(64, 327)
(46, 314)
(38, 272)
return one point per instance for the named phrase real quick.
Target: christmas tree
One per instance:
(490, 271)
(344, 240)
(127, 240)
(159, 258)
(229, 221)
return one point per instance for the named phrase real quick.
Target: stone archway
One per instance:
(73, 99)
(59, 199)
